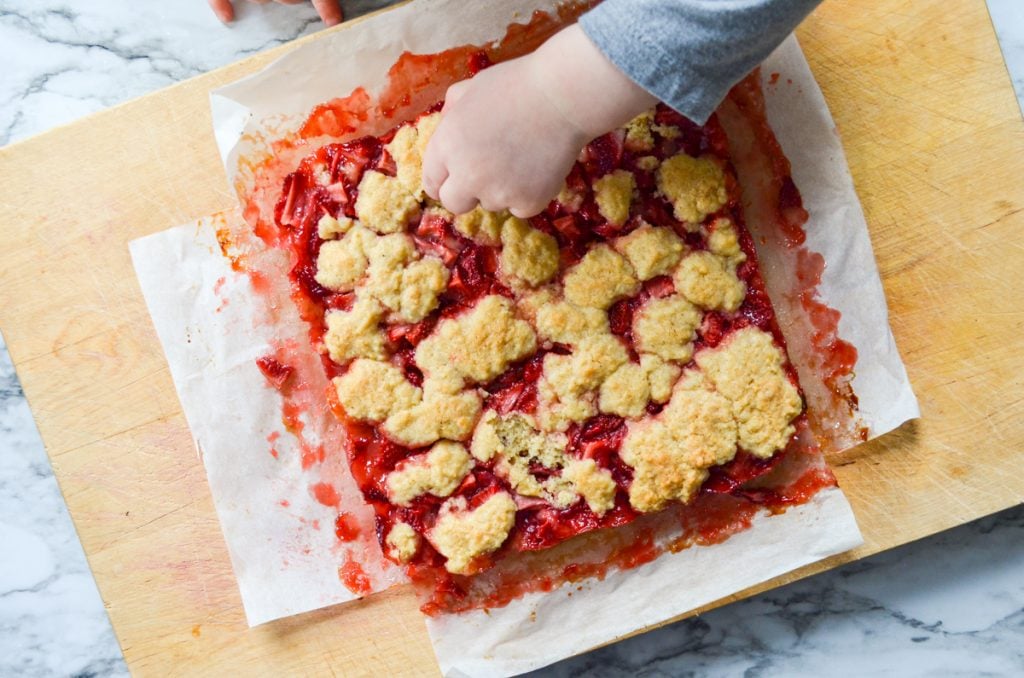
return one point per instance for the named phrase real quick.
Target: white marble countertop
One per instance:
(952, 604)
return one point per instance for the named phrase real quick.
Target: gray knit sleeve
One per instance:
(688, 53)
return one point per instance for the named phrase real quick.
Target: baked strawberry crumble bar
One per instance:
(507, 384)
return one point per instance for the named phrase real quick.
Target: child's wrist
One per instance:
(587, 89)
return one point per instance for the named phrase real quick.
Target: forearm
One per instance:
(689, 53)
(591, 92)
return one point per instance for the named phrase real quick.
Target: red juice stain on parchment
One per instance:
(346, 528)
(354, 577)
(325, 494)
(272, 439)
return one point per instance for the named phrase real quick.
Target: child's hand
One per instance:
(508, 136)
(501, 142)
(329, 10)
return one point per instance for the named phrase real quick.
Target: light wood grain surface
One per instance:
(935, 143)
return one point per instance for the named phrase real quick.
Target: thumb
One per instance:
(454, 93)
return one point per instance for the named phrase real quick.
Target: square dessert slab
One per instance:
(935, 143)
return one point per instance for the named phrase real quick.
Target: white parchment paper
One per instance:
(280, 538)
(804, 128)
(539, 629)
(177, 269)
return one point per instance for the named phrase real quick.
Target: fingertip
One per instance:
(454, 93)
(434, 173)
(454, 201)
(223, 10)
(329, 11)
(526, 212)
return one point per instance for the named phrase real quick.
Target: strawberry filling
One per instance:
(327, 181)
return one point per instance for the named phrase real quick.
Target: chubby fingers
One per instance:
(435, 169)
(453, 94)
(527, 210)
(455, 198)
(223, 9)
(329, 11)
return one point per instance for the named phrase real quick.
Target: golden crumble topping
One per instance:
(709, 281)
(747, 369)
(329, 228)
(444, 412)
(384, 204)
(566, 391)
(461, 535)
(638, 133)
(403, 542)
(403, 282)
(481, 226)
(437, 472)
(647, 163)
(651, 250)
(564, 323)
(600, 278)
(668, 131)
(372, 390)
(661, 375)
(625, 392)
(355, 333)
(527, 254)
(570, 198)
(666, 327)
(694, 186)
(593, 483)
(407, 147)
(614, 194)
(628, 390)
(388, 256)
(341, 264)
(517, 446)
(671, 452)
(724, 241)
(422, 282)
(480, 344)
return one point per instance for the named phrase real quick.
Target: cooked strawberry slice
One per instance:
(412, 334)
(341, 301)
(620, 316)
(660, 287)
(386, 164)
(440, 249)
(606, 229)
(338, 192)
(743, 468)
(284, 210)
(504, 401)
(603, 426)
(567, 227)
(713, 328)
(275, 372)
(603, 154)
(433, 225)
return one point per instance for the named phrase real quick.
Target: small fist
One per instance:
(501, 143)
(329, 10)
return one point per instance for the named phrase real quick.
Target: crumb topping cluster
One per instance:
(485, 348)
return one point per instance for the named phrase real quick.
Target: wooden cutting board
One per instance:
(935, 142)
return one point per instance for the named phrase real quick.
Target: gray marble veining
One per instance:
(1008, 20)
(949, 605)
